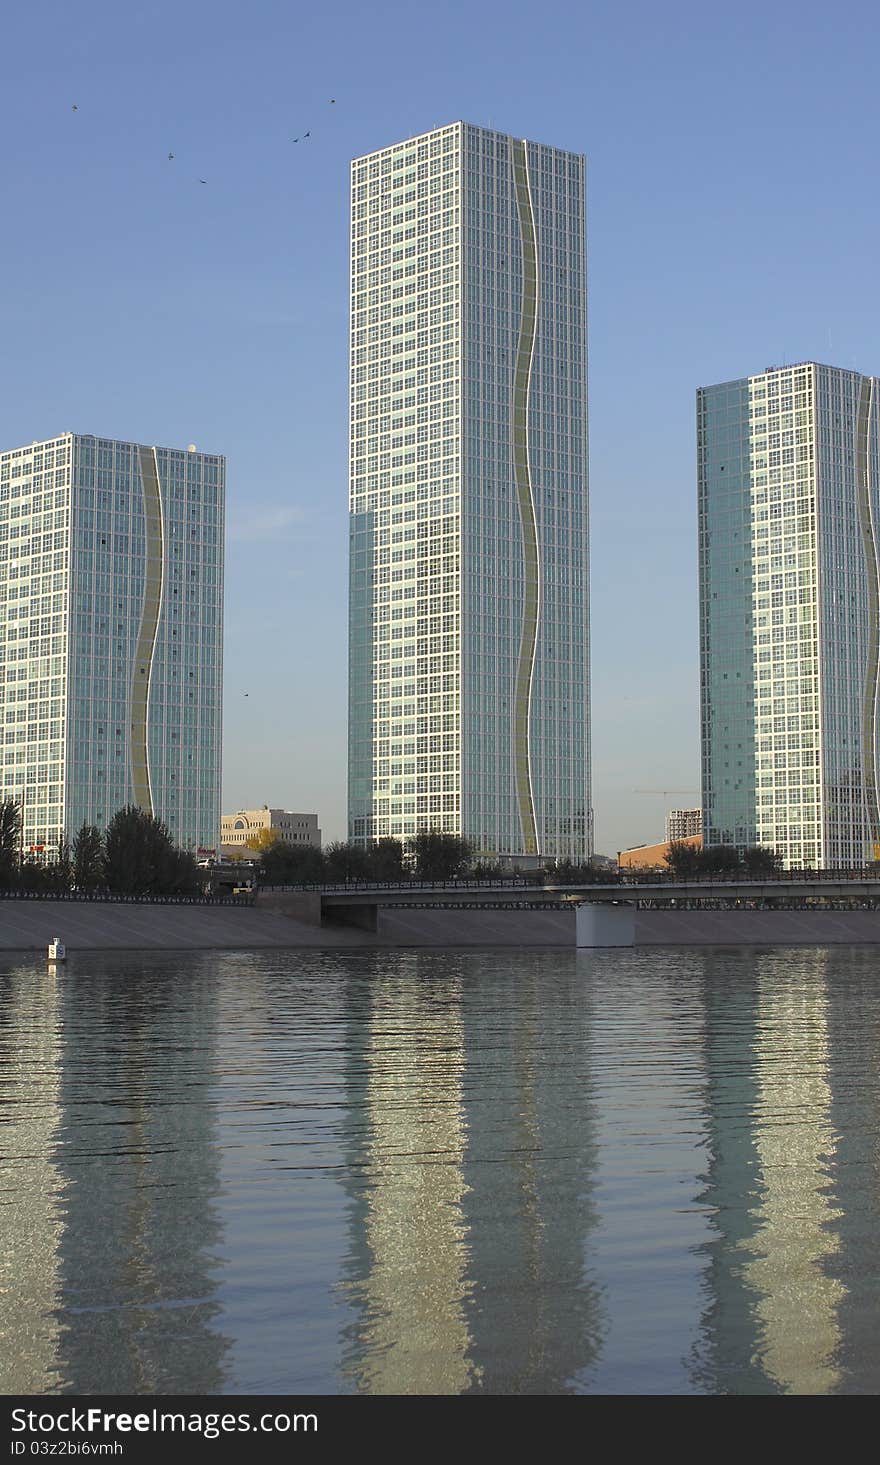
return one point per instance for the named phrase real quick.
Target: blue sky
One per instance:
(733, 224)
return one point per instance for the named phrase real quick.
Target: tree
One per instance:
(10, 842)
(139, 855)
(684, 860)
(346, 862)
(386, 859)
(721, 860)
(179, 874)
(439, 856)
(757, 860)
(601, 873)
(292, 864)
(490, 870)
(61, 868)
(88, 858)
(566, 872)
(263, 840)
(35, 875)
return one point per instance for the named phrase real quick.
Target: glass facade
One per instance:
(111, 593)
(789, 497)
(469, 655)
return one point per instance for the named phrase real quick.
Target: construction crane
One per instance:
(666, 792)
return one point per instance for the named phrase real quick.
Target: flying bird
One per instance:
(332, 101)
(74, 108)
(170, 156)
(305, 135)
(203, 180)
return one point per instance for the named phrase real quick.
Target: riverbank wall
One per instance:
(29, 925)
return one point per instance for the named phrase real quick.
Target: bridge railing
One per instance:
(345, 886)
(107, 897)
(547, 882)
(742, 877)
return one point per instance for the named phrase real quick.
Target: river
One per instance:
(441, 1172)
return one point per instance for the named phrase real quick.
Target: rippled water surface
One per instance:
(426, 1172)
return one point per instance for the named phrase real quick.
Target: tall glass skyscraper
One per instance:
(469, 635)
(789, 508)
(111, 605)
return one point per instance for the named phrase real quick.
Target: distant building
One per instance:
(682, 823)
(111, 636)
(653, 856)
(247, 824)
(469, 646)
(789, 508)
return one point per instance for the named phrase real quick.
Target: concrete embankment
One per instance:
(652, 928)
(29, 925)
(758, 928)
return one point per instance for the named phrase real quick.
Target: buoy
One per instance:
(56, 950)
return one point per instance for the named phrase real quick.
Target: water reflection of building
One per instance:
(470, 1176)
(771, 1321)
(30, 1182)
(136, 1145)
(408, 1264)
(534, 1313)
(111, 1222)
(854, 1070)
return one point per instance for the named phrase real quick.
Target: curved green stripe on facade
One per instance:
(140, 682)
(520, 430)
(872, 668)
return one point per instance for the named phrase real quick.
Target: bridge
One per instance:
(605, 910)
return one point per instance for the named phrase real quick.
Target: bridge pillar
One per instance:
(602, 924)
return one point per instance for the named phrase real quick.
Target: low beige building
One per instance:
(245, 829)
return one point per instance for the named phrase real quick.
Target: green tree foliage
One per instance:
(722, 861)
(291, 864)
(140, 857)
(63, 868)
(180, 874)
(684, 860)
(439, 856)
(385, 860)
(47, 876)
(87, 858)
(601, 874)
(566, 872)
(490, 870)
(757, 861)
(34, 875)
(10, 842)
(346, 862)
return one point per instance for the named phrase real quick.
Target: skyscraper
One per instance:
(469, 654)
(789, 506)
(111, 595)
